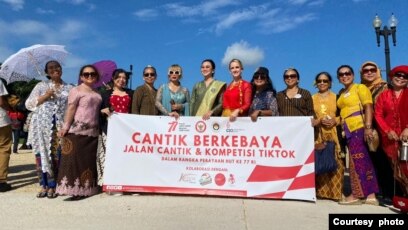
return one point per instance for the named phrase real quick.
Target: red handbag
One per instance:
(401, 203)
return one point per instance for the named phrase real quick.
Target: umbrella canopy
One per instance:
(28, 63)
(105, 69)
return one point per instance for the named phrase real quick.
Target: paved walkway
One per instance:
(20, 209)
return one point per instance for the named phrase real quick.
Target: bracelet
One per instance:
(260, 113)
(368, 126)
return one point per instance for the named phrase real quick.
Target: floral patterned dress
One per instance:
(46, 120)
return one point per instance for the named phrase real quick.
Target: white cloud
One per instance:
(297, 2)
(27, 27)
(15, 4)
(30, 31)
(73, 2)
(285, 23)
(250, 56)
(316, 3)
(239, 16)
(44, 11)
(90, 6)
(5, 52)
(71, 29)
(203, 9)
(146, 14)
(77, 2)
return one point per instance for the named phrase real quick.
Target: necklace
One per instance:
(323, 101)
(235, 84)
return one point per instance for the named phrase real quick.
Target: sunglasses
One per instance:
(348, 73)
(287, 76)
(322, 81)
(89, 74)
(372, 70)
(402, 75)
(174, 72)
(259, 76)
(149, 74)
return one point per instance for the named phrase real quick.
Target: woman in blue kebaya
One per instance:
(173, 99)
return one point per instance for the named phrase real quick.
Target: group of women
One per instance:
(68, 120)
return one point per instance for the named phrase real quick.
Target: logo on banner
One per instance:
(216, 126)
(173, 126)
(231, 179)
(188, 177)
(114, 187)
(231, 130)
(200, 126)
(219, 179)
(205, 179)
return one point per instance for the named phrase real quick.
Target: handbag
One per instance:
(374, 142)
(325, 161)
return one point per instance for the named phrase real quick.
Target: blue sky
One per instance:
(310, 35)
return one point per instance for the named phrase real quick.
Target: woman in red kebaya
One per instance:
(391, 115)
(238, 95)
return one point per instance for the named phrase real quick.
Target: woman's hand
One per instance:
(329, 123)
(255, 115)
(234, 115)
(49, 94)
(315, 122)
(175, 107)
(106, 111)
(174, 114)
(62, 133)
(392, 135)
(404, 135)
(368, 134)
(207, 115)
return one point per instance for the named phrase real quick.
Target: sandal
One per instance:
(51, 194)
(351, 202)
(372, 201)
(42, 194)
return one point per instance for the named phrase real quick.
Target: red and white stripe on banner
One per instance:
(282, 182)
(270, 158)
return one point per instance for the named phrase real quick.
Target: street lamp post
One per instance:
(130, 73)
(385, 32)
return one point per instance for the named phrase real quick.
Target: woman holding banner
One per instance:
(294, 101)
(263, 95)
(206, 96)
(117, 99)
(238, 95)
(172, 99)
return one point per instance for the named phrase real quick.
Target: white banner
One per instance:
(270, 158)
